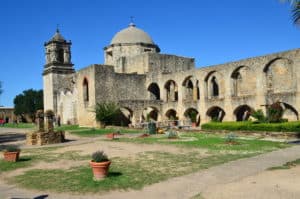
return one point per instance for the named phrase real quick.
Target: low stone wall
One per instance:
(44, 138)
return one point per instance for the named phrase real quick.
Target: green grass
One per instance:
(212, 142)
(30, 156)
(125, 173)
(97, 132)
(287, 165)
(89, 132)
(250, 126)
(19, 125)
(23, 162)
(69, 128)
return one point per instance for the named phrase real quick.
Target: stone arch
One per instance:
(242, 112)
(154, 91)
(216, 113)
(191, 89)
(171, 89)
(151, 113)
(85, 88)
(279, 75)
(171, 114)
(193, 115)
(243, 81)
(214, 82)
(125, 116)
(289, 111)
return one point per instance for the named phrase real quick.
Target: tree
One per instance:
(295, 10)
(28, 102)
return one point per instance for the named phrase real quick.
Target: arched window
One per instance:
(85, 90)
(171, 91)
(215, 87)
(154, 91)
(61, 56)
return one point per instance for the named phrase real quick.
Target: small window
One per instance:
(109, 53)
(85, 90)
(147, 50)
(61, 56)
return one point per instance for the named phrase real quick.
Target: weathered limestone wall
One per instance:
(85, 114)
(115, 54)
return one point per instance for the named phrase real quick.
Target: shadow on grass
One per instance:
(114, 174)
(22, 159)
(37, 197)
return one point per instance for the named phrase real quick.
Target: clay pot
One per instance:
(110, 136)
(100, 169)
(11, 156)
(194, 125)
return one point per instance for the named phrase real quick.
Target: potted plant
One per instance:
(100, 165)
(11, 154)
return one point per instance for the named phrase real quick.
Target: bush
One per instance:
(12, 148)
(259, 115)
(99, 156)
(231, 137)
(252, 126)
(106, 112)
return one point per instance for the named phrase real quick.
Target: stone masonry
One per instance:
(145, 82)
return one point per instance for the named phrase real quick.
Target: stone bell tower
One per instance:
(58, 66)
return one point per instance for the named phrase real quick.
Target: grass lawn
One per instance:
(125, 173)
(211, 142)
(134, 171)
(88, 132)
(19, 125)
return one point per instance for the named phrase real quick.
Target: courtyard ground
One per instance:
(243, 178)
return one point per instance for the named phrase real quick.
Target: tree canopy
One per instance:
(28, 103)
(295, 10)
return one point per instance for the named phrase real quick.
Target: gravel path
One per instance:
(179, 187)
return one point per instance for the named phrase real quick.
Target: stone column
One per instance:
(40, 120)
(49, 120)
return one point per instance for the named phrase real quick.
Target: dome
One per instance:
(57, 37)
(131, 35)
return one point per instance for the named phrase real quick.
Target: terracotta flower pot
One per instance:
(194, 124)
(100, 169)
(11, 156)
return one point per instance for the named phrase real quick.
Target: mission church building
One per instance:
(145, 82)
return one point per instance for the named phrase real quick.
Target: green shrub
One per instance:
(231, 137)
(259, 115)
(106, 112)
(99, 156)
(252, 126)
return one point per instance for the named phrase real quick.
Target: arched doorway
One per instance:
(242, 112)
(216, 113)
(192, 115)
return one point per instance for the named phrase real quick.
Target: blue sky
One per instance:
(212, 32)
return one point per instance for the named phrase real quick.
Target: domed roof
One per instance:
(57, 36)
(131, 35)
